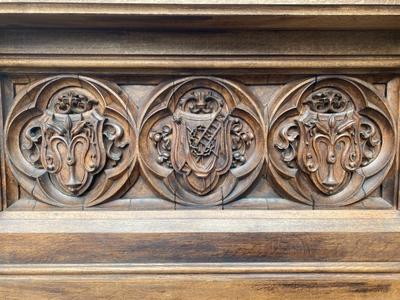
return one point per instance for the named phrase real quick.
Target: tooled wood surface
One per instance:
(93, 244)
(305, 142)
(227, 161)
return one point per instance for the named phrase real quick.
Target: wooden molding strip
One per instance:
(95, 214)
(200, 268)
(200, 8)
(8, 63)
(139, 222)
(293, 14)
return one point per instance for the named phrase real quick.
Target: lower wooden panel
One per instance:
(207, 236)
(198, 247)
(204, 286)
(207, 255)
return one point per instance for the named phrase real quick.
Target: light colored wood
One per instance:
(199, 268)
(181, 236)
(329, 221)
(140, 65)
(316, 286)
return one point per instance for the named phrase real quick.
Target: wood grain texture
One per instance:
(316, 286)
(249, 44)
(363, 15)
(198, 247)
(116, 51)
(200, 268)
(207, 236)
(202, 93)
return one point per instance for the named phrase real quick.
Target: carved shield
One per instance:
(203, 144)
(201, 149)
(331, 140)
(330, 148)
(69, 141)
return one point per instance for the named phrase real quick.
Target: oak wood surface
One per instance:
(123, 74)
(181, 237)
(209, 236)
(183, 52)
(316, 286)
(362, 15)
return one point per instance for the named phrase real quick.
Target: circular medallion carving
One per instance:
(70, 140)
(331, 140)
(201, 141)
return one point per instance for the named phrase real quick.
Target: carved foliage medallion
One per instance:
(70, 140)
(331, 140)
(201, 141)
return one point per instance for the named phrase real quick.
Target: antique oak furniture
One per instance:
(179, 149)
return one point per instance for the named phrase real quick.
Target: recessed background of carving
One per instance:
(331, 140)
(201, 141)
(70, 140)
(263, 192)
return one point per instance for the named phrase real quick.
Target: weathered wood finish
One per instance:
(202, 141)
(196, 150)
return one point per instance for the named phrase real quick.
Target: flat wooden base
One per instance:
(202, 286)
(207, 255)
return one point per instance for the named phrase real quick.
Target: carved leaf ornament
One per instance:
(201, 142)
(331, 140)
(71, 140)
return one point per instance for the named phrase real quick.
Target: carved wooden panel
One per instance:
(70, 140)
(226, 149)
(331, 141)
(285, 142)
(200, 141)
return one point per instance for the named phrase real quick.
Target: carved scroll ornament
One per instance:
(70, 140)
(331, 140)
(201, 141)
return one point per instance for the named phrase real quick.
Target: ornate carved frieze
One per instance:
(71, 140)
(331, 140)
(201, 141)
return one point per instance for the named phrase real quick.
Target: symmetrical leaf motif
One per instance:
(200, 136)
(329, 142)
(73, 143)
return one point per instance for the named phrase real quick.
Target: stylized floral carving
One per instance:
(162, 141)
(330, 140)
(71, 145)
(199, 135)
(241, 142)
(371, 141)
(73, 103)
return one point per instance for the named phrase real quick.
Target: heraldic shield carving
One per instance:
(201, 141)
(331, 140)
(71, 140)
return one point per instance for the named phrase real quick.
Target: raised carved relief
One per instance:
(71, 140)
(331, 140)
(201, 141)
